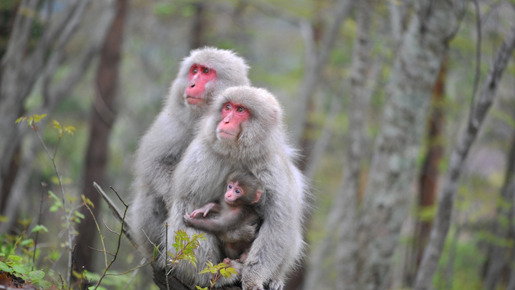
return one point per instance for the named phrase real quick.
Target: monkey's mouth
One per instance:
(230, 202)
(193, 100)
(224, 135)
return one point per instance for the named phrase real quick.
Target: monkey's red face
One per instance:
(233, 193)
(232, 117)
(198, 77)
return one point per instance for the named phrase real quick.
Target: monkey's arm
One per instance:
(227, 219)
(210, 207)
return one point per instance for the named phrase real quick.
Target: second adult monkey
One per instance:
(201, 76)
(234, 219)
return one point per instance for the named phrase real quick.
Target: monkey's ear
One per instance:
(258, 196)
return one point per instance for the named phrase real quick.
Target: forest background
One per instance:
(404, 112)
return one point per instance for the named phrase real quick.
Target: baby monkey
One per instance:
(234, 220)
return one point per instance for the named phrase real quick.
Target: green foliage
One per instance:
(466, 262)
(184, 247)
(216, 272)
(16, 258)
(31, 121)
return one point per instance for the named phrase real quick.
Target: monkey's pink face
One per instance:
(233, 115)
(198, 77)
(233, 193)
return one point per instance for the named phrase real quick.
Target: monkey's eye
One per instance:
(229, 186)
(205, 70)
(227, 107)
(194, 69)
(237, 191)
(240, 109)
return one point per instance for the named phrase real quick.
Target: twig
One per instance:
(166, 258)
(37, 223)
(116, 212)
(119, 239)
(66, 212)
(85, 203)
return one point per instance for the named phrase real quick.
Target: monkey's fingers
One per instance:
(195, 213)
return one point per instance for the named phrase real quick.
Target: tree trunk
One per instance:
(500, 253)
(347, 236)
(315, 62)
(342, 217)
(102, 119)
(428, 177)
(392, 172)
(199, 25)
(446, 197)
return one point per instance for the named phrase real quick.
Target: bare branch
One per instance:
(116, 212)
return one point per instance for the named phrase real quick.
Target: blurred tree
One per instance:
(386, 201)
(478, 112)
(342, 217)
(501, 251)
(429, 174)
(199, 25)
(103, 115)
(30, 58)
(316, 58)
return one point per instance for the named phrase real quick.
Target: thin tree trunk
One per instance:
(199, 25)
(499, 255)
(428, 177)
(347, 231)
(102, 120)
(390, 182)
(341, 222)
(466, 138)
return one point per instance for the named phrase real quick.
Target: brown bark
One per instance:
(102, 119)
(428, 178)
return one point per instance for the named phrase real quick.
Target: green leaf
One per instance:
(20, 269)
(26, 243)
(79, 215)
(70, 130)
(4, 267)
(15, 258)
(20, 119)
(38, 118)
(154, 255)
(36, 275)
(39, 228)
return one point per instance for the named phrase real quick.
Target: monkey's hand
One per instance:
(188, 219)
(203, 210)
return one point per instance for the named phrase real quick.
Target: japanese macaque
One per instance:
(233, 220)
(203, 74)
(243, 131)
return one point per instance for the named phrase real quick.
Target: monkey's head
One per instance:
(243, 189)
(205, 72)
(244, 122)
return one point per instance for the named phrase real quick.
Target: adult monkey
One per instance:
(203, 74)
(243, 131)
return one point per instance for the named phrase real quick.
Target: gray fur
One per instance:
(263, 150)
(162, 146)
